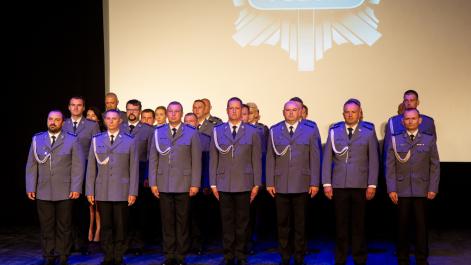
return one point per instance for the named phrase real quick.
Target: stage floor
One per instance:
(21, 246)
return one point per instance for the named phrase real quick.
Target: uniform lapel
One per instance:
(59, 141)
(298, 131)
(240, 132)
(117, 140)
(356, 132)
(228, 132)
(80, 126)
(285, 131)
(179, 133)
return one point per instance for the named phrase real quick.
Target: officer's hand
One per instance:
(215, 192)
(91, 199)
(74, 195)
(431, 195)
(193, 191)
(370, 193)
(328, 192)
(272, 191)
(394, 197)
(31, 195)
(253, 194)
(155, 191)
(131, 199)
(313, 191)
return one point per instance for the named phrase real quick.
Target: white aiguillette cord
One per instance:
(157, 145)
(282, 153)
(341, 152)
(37, 157)
(101, 162)
(393, 139)
(216, 143)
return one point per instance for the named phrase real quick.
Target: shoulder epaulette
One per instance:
(428, 117)
(217, 125)
(72, 134)
(39, 133)
(336, 125)
(398, 133)
(190, 126)
(145, 125)
(130, 135)
(98, 134)
(309, 123)
(426, 133)
(368, 125)
(251, 125)
(277, 124)
(160, 126)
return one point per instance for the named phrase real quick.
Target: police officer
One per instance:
(142, 134)
(293, 173)
(113, 183)
(84, 129)
(349, 176)
(111, 103)
(207, 112)
(54, 177)
(412, 178)
(235, 176)
(175, 176)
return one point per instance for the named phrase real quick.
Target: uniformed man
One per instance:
(148, 117)
(245, 113)
(207, 112)
(293, 173)
(394, 124)
(205, 123)
(113, 183)
(54, 177)
(175, 176)
(111, 103)
(84, 129)
(235, 176)
(349, 176)
(199, 208)
(412, 177)
(142, 134)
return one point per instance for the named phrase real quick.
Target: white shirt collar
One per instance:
(237, 125)
(115, 134)
(53, 134)
(349, 126)
(295, 125)
(77, 120)
(413, 133)
(176, 127)
(135, 124)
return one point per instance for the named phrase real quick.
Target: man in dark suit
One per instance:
(293, 173)
(84, 129)
(174, 177)
(235, 176)
(54, 177)
(349, 176)
(113, 183)
(111, 103)
(412, 178)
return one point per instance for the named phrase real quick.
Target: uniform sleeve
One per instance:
(78, 167)
(31, 176)
(373, 159)
(386, 144)
(434, 168)
(91, 172)
(196, 156)
(327, 162)
(153, 163)
(257, 158)
(390, 171)
(213, 161)
(270, 165)
(133, 169)
(315, 157)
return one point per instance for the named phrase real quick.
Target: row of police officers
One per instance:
(115, 164)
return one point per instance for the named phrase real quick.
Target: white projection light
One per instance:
(306, 29)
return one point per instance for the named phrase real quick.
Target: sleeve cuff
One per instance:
(213, 186)
(327, 185)
(372, 186)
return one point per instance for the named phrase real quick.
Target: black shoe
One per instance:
(242, 262)
(168, 262)
(84, 251)
(49, 261)
(284, 262)
(120, 262)
(137, 252)
(181, 262)
(63, 261)
(107, 262)
(301, 262)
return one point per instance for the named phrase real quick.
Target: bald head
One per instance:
(292, 111)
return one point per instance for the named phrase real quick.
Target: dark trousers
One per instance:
(55, 220)
(140, 219)
(235, 215)
(291, 219)
(199, 213)
(175, 208)
(350, 209)
(114, 225)
(81, 222)
(416, 207)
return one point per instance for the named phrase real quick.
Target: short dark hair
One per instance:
(111, 110)
(191, 114)
(246, 106)
(297, 99)
(307, 109)
(352, 101)
(199, 100)
(58, 111)
(149, 111)
(412, 92)
(175, 103)
(77, 97)
(162, 108)
(235, 99)
(409, 110)
(134, 102)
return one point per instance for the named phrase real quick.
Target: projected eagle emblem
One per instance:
(306, 29)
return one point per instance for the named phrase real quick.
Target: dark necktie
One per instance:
(234, 132)
(75, 126)
(131, 127)
(291, 131)
(350, 133)
(112, 139)
(53, 140)
(411, 137)
(174, 131)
